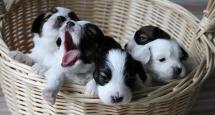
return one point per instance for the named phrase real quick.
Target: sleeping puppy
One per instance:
(115, 74)
(46, 33)
(74, 61)
(161, 56)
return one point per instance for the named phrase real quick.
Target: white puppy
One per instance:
(45, 28)
(162, 59)
(161, 56)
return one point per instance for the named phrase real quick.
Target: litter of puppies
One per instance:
(70, 50)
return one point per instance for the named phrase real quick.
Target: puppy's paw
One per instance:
(18, 56)
(39, 69)
(49, 96)
(91, 88)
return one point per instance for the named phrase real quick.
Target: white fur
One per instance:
(150, 53)
(47, 57)
(91, 88)
(116, 86)
(79, 73)
(45, 45)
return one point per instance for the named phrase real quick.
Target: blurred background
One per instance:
(205, 103)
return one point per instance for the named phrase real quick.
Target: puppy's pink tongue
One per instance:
(70, 57)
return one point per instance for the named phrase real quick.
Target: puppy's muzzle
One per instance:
(116, 99)
(177, 70)
(59, 21)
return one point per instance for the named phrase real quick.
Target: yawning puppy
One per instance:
(115, 73)
(46, 33)
(74, 61)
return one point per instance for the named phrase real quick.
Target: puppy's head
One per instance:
(79, 41)
(115, 74)
(48, 23)
(162, 59)
(143, 36)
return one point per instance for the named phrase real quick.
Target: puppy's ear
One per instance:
(184, 54)
(158, 33)
(145, 55)
(37, 24)
(140, 71)
(73, 16)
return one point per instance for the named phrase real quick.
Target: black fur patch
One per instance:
(132, 68)
(36, 27)
(58, 42)
(91, 39)
(147, 34)
(73, 16)
(184, 54)
(41, 19)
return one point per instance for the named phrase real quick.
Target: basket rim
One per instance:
(183, 11)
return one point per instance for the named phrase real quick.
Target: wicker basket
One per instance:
(119, 19)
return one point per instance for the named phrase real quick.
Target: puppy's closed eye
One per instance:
(46, 19)
(103, 77)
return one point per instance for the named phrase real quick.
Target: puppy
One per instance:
(115, 74)
(74, 61)
(46, 33)
(161, 56)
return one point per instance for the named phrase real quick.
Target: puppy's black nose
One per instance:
(177, 70)
(69, 23)
(116, 99)
(125, 46)
(61, 18)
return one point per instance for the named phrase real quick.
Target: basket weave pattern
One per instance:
(119, 19)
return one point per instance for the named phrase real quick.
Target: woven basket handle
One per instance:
(5, 7)
(2, 7)
(207, 24)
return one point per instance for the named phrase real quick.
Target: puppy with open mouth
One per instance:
(74, 61)
(161, 56)
(46, 33)
(115, 74)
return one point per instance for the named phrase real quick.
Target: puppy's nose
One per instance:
(61, 18)
(177, 70)
(69, 23)
(125, 46)
(116, 99)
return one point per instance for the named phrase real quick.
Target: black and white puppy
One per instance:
(161, 56)
(74, 61)
(46, 33)
(115, 74)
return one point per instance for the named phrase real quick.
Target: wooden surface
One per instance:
(205, 104)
